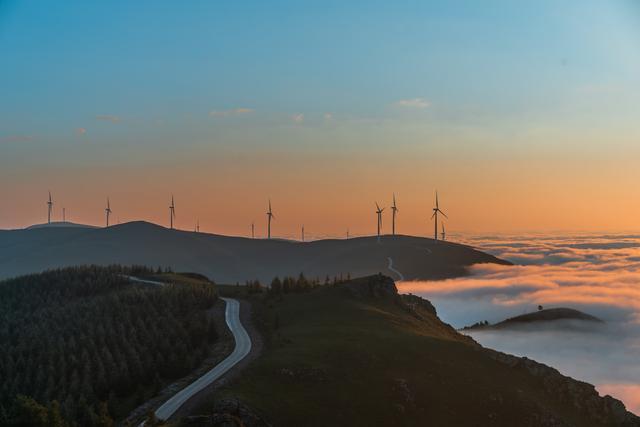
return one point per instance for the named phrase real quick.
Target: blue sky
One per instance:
(139, 83)
(155, 58)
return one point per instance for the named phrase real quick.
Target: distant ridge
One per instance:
(59, 224)
(228, 259)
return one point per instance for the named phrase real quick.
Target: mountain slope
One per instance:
(360, 354)
(229, 259)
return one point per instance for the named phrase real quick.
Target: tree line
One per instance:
(84, 345)
(290, 284)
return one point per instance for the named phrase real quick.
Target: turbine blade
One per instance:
(445, 215)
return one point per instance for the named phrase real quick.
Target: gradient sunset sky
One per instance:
(524, 115)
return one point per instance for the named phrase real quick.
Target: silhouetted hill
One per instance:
(567, 316)
(550, 314)
(229, 259)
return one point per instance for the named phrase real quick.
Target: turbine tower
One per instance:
(197, 225)
(108, 211)
(394, 210)
(303, 232)
(50, 205)
(437, 211)
(443, 235)
(172, 212)
(253, 230)
(64, 214)
(379, 212)
(270, 217)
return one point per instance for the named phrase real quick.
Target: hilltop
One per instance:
(358, 353)
(228, 259)
(560, 314)
(60, 224)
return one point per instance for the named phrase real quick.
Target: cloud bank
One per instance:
(599, 275)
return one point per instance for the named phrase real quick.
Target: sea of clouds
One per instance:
(597, 274)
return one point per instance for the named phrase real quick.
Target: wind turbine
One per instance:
(437, 211)
(197, 225)
(172, 212)
(270, 217)
(50, 205)
(347, 234)
(108, 211)
(303, 232)
(64, 214)
(379, 212)
(253, 230)
(443, 235)
(394, 210)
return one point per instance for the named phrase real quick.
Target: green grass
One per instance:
(333, 359)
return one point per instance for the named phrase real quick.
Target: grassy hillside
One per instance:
(357, 354)
(91, 345)
(228, 259)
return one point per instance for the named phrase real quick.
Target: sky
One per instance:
(524, 116)
(595, 273)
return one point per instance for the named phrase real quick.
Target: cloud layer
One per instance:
(599, 275)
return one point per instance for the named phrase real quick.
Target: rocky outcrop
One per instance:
(377, 286)
(582, 396)
(416, 303)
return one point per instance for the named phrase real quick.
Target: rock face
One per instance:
(583, 396)
(377, 286)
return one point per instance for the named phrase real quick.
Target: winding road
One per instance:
(242, 348)
(390, 267)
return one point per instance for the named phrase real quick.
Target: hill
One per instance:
(89, 345)
(561, 315)
(230, 259)
(357, 353)
(548, 315)
(58, 224)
